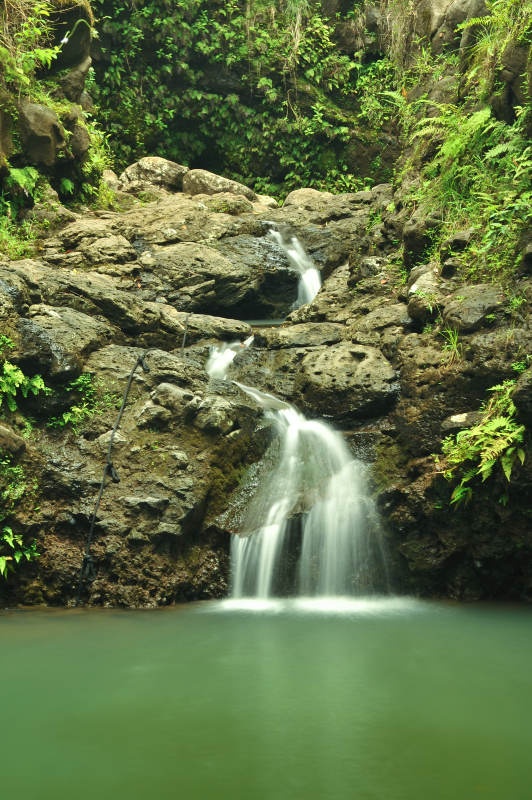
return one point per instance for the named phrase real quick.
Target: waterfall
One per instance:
(300, 261)
(222, 356)
(309, 529)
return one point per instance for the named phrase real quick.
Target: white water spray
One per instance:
(300, 262)
(314, 503)
(222, 356)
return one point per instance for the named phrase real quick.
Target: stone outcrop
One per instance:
(52, 136)
(144, 294)
(397, 350)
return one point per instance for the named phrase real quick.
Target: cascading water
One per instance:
(300, 261)
(309, 530)
(221, 357)
(310, 526)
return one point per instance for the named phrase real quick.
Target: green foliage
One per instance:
(452, 345)
(376, 91)
(250, 89)
(89, 401)
(505, 21)
(522, 365)
(13, 551)
(478, 177)
(79, 411)
(13, 487)
(25, 41)
(495, 443)
(13, 382)
(475, 168)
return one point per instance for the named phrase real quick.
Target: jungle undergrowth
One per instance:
(495, 445)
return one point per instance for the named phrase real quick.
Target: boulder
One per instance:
(41, 133)
(114, 249)
(199, 278)
(72, 22)
(471, 307)
(346, 382)
(152, 171)
(200, 181)
(11, 442)
(72, 83)
(425, 294)
(55, 340)
(304, 335)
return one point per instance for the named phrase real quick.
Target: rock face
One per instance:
(137, 299)
(41, 133)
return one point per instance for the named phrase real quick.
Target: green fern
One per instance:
(497, 440)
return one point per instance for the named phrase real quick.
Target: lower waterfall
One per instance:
(311, 528)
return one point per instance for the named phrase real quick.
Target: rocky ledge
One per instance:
(136, 299)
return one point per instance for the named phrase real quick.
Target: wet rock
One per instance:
(41, 133)
(469, 308)
(55, 340)
(347, 381)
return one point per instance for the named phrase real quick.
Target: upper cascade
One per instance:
(301, 262)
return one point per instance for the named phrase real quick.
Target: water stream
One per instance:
(313, 509)
(310, 529)
(309, 276)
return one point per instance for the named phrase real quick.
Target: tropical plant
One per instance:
(13, 550)
(14, 382)
(256, 89)
(13, 487)
(452, 345)
(89, 401)
(25, 34)
(495, 443)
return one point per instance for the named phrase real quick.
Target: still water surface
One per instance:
(376, 700)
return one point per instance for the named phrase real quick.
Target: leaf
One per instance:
(507, 464)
